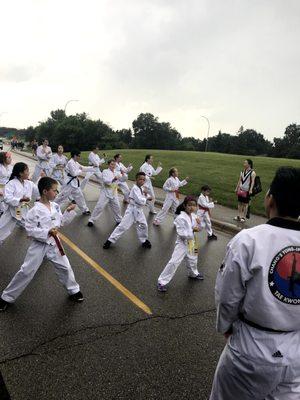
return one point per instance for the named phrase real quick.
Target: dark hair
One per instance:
(183, 205)
(250, 162)
(75, 153)
(45, 139)
(110, 161)
(46, 183)
(205, 187)
(139, 174)
(148, 156)
(3, 157)
(95, 146)
(116, 156)
(172, 170)
(18, 168)
(285, 188)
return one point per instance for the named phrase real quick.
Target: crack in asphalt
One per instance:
(124, 327)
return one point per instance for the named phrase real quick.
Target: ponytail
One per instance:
(18, 169)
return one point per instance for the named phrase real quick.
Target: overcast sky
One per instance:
(235, 61)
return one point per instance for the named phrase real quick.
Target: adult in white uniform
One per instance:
(71, 188)
(59, 162)
(122, 170)
(95, 162)
(44, 155)
(108, 194)
(134, 214)
(204, 207)
(171, 187)
(150, 172)
(258, 302)
(5, 173)
(18, 192)
(186, 245)
(42, 224)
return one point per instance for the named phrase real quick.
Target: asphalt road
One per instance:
(109, 347)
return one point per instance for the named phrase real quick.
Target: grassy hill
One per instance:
(220, 171)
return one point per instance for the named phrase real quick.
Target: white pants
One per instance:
(179, 254)
(33, 260)
(206, 223)
(88, 176)
(37, 172)
(132, 215)
(169, 204)
(69, 191)
(102, 203)
(7, 225)
(125, 190)
(243, 379)
(150, 203)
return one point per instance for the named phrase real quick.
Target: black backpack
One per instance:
(257, 188)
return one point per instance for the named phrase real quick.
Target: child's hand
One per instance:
(187, 178)
(159, 164)
(53, 232)
(149, 198)
(71, 207)
(25, 199)
(196, 229)
(216, 201)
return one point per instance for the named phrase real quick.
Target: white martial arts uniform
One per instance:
(15, 211)
(258, 298)
(204, 207)
(150, 171)
(171, 186)
(108, 195)
(39, 221)
(71, 187)
(94, 161)
(122, 170)
(186, 247)
(58, 163)
(44, 156)
(5, 173)
(133, 214)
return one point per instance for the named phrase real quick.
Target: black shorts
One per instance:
(244, 200)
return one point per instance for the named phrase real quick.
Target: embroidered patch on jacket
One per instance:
(284, 275)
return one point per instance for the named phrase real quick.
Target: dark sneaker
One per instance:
(146, 244)
(198, 277)
(237, 218)
(212, 237)
(90, 223)
(162, 288)
(3, 304)
(78, 297)
(73, 202)
(87, 212)
(107, 244)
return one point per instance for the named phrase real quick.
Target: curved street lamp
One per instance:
(69, 101)
(208, 128)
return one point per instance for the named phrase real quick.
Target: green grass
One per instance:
(220, 171)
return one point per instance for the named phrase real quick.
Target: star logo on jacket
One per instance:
(284, 275)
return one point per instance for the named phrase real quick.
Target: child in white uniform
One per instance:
(148, 169)
(44, 155)
(204, 207)
(186, 246)
(108, 194)
(59, 162)
(95, 162)
(18, 192)
(5, 173)
(171, 186)
(71, 188)
(134, 214)
(42, 224)
(122, 170)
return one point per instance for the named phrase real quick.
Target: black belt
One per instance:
(73, 177)
(261, 328)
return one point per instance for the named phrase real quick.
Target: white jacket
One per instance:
(184, 225)
(44, 156)
(95, 160)
(73, 170)
(5, 172)
(110, 187)
(149, 171)
(14, 191)
(171, 184)
(204, 202)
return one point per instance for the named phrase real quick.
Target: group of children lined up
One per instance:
(44, 219)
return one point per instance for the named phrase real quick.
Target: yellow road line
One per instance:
(106, 275)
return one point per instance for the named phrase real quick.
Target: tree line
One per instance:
(149, 133)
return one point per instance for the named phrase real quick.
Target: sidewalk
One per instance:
(221, 216)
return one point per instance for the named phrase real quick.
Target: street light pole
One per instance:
(208, 128)
(68, 103)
